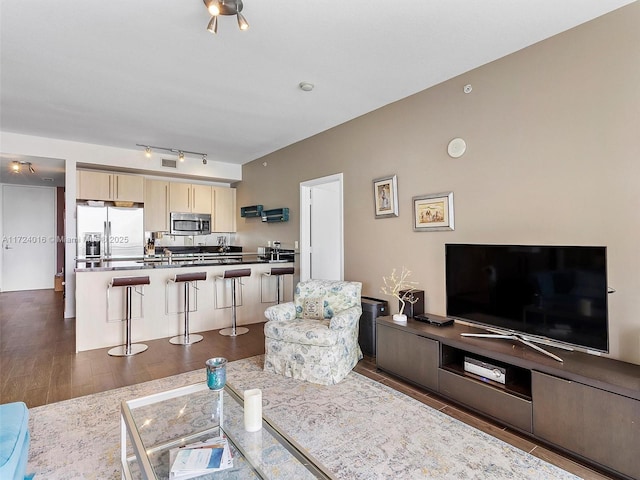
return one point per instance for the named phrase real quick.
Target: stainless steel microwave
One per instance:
(189, 223)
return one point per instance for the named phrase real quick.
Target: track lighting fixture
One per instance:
(181, 153)
(225, 7)
(16, 166)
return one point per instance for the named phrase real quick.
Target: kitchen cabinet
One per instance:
(123, 187)
(156, 206)
(224, 209)
(186, 197)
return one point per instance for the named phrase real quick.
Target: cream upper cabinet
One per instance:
(94, 185)
(201, 199)
(129, 188)
(156, 206)
(224, 209)
(109, 186)
(179, 197)
(185, 197)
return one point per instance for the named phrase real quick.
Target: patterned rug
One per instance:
(358, 429)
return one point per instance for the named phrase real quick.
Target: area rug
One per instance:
(358, 429)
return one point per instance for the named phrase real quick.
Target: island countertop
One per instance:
(173, 261)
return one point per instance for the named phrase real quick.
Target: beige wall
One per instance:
(552, 158)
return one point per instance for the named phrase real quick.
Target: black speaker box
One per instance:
(417, 308)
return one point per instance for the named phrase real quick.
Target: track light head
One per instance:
(181, 156)
(147, 152)
(204, 159)
(213, 25)
(213, 6)
(242, 22)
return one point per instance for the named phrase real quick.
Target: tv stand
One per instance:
(540, 395)
(519, 338)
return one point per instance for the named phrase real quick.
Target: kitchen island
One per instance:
(158, 311)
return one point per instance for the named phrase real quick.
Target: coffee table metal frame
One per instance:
(129, 430)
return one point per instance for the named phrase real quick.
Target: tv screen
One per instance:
(556, 293)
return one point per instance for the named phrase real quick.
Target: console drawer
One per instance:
(487, 399)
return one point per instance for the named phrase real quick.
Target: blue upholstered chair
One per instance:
(315, 337)
(14, 441)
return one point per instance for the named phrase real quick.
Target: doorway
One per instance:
(28, 237)
(322, 228)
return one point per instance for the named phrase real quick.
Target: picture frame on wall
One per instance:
(432, 213)
(385, 196)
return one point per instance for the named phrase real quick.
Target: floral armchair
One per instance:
(315, 337)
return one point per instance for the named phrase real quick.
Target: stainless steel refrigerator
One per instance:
(120, 232)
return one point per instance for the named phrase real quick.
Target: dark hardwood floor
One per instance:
(38, 365)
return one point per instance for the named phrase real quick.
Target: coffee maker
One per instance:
(92, 244)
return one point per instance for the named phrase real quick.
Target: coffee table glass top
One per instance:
(154, 425)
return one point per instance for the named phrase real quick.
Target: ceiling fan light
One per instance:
(242, 22)
(212, 7)
(213, 25)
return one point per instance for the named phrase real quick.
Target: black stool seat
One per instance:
(187, 278)
(234, 276)
(277, 272)
(128, 348)
(239, 272)
(190, 277)
(129, 281)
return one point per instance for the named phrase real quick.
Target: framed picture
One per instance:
(385, 197)
(433, 213)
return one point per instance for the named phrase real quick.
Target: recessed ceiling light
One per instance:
(306, 86)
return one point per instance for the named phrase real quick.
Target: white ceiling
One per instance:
(123, 72)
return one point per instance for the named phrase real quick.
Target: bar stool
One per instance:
(277, 272)
(128, 348)
(234, 276)
(186, 279)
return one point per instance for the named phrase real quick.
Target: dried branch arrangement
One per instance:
(394, 284)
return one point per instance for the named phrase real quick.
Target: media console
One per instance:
(588, 406)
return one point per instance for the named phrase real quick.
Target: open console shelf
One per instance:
(518, 380)
(540, 396)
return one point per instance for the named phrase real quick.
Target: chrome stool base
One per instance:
(186, 340)
(121, 351)
(233, 332)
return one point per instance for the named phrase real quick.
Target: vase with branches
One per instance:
(400, 287)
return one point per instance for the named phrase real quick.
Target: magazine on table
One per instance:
(200, 458)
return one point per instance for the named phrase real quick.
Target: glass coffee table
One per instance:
(151, 426)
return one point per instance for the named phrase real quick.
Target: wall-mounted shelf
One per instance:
(251, 211)
(275, 215)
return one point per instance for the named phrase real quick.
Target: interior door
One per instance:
(28, 237)
(321, 224)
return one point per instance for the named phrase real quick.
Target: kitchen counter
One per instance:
(173, 261)
(157, 310)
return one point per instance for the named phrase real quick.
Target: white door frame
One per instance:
(305, 222)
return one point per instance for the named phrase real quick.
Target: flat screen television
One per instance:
(548, 293)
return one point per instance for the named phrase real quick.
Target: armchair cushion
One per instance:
(337, 296)
(313, 308)
(304, 331)
(349, 318)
